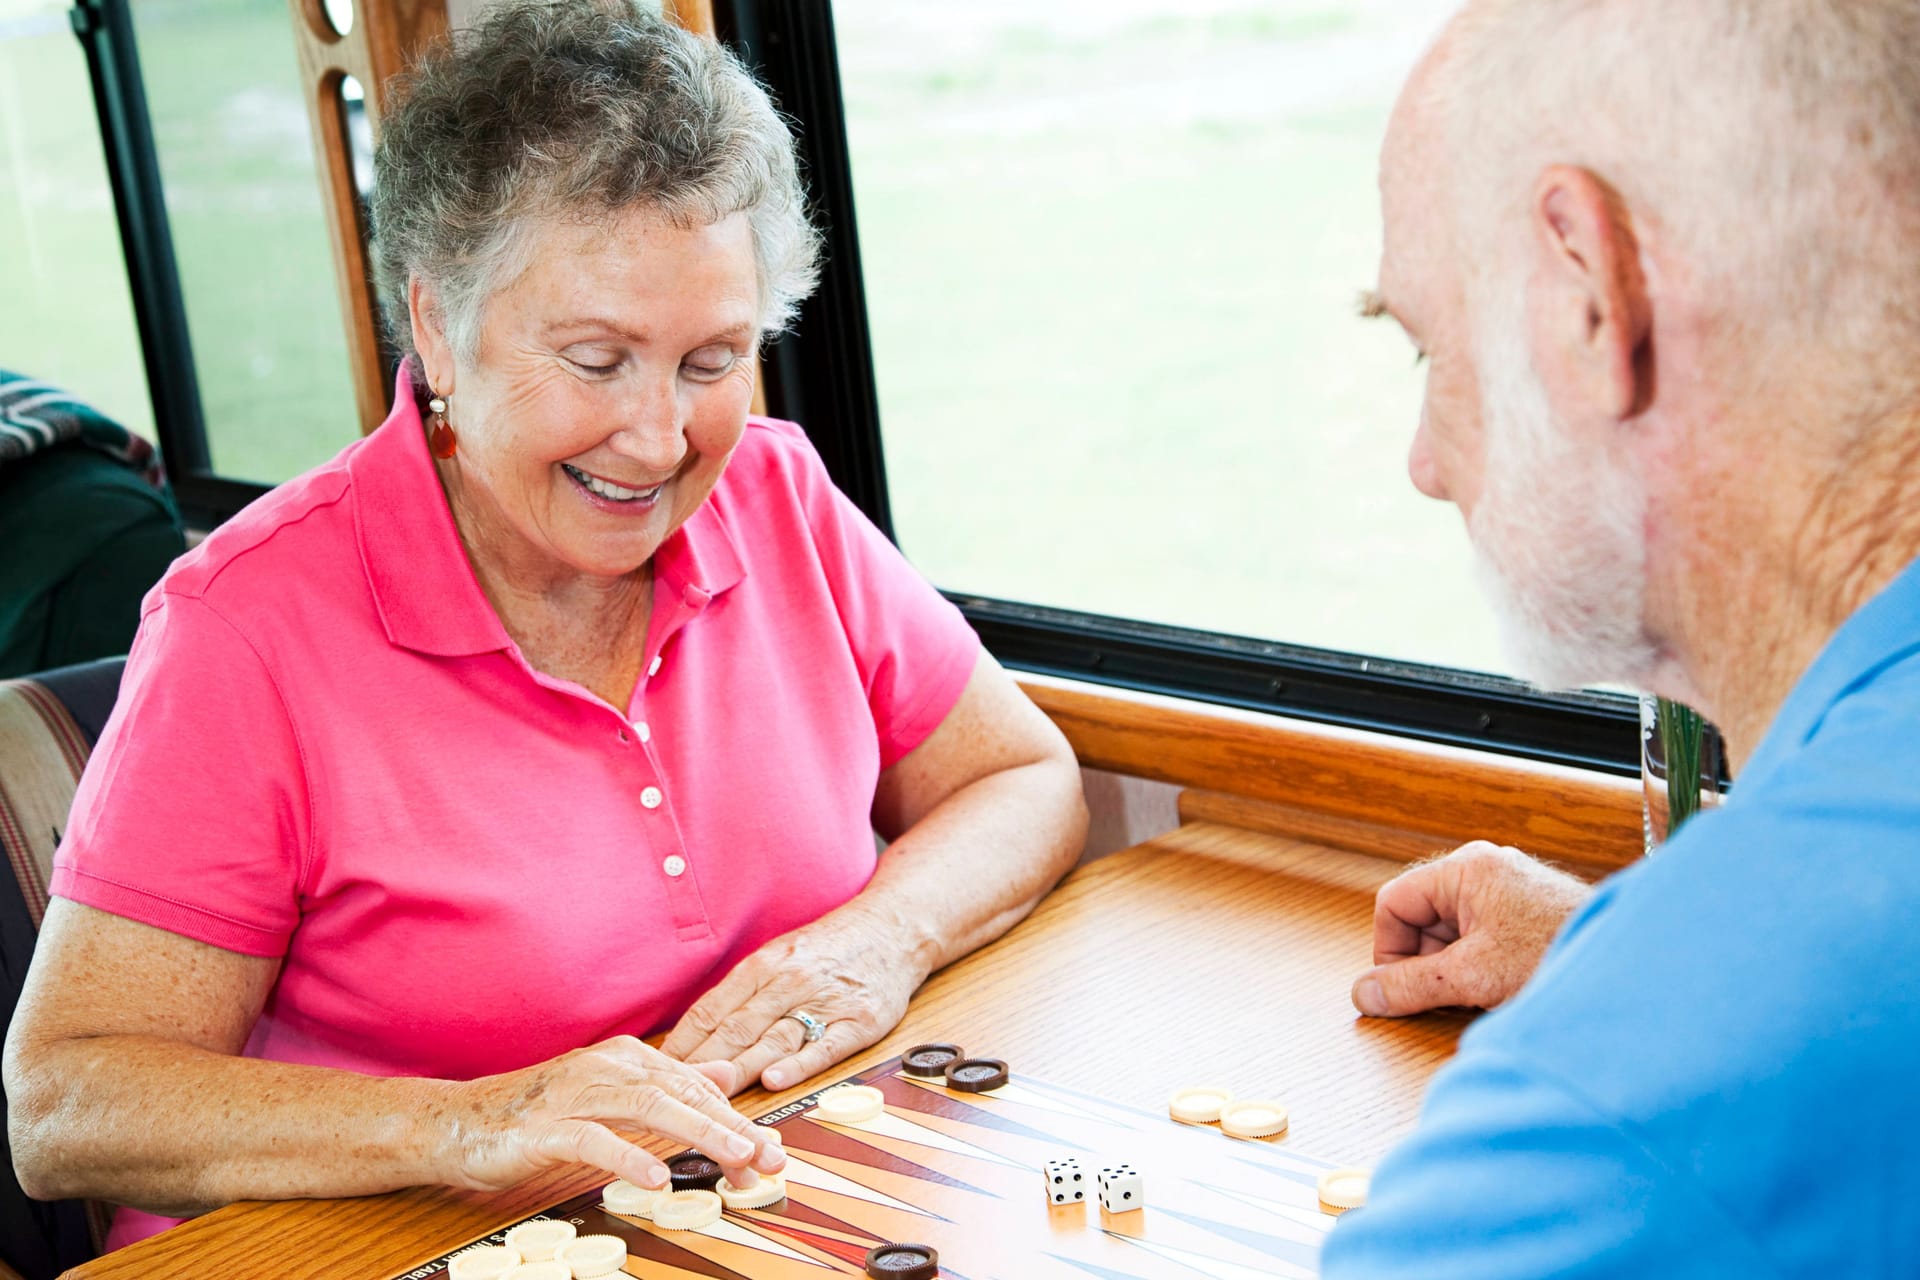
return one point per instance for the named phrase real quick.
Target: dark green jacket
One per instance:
(85, 530)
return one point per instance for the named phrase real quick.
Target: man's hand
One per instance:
(1466, 929)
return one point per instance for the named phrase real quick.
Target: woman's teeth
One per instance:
(606, 490)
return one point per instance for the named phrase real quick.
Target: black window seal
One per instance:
(105, 31)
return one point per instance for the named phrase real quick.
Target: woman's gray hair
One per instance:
(579, 109)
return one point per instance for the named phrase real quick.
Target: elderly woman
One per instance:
(559, 711)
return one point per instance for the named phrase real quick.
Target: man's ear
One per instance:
(1588, 307)
(430, 335)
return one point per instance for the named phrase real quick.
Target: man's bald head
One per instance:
(1774, 144)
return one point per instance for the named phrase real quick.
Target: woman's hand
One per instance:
(508, 1127)
(850, 970)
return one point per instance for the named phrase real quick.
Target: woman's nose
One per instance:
(651, 430)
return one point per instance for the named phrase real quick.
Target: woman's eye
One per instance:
(598, 365)
(710, 364)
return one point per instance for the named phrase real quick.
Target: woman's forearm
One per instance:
(979, 861)
(178, 1130)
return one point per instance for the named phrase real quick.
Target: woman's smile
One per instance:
(605, 495)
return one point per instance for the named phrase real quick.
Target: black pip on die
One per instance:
(1120, 1189)
(1065, 1182)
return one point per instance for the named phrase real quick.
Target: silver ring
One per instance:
(814, 1027)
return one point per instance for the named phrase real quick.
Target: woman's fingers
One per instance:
(704, 1016)
(842, 1040)
(582, 1099)
(589, 1142)
(738, 1145)
(726, 1076)
(783, 1038)
(733, 1015)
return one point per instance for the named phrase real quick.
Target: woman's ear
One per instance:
(430, 335)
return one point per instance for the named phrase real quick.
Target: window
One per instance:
(1110, 253)
(236, 161)
(1091, 286)
(67, 319)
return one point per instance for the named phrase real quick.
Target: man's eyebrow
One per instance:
(1372, 305)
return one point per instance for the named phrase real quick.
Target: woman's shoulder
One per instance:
(778, 444)
(773, 461)
(291, 538)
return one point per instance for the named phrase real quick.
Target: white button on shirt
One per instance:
(651, 797)
(675, 865)
(646, 734)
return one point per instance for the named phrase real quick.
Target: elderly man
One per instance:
(1665, 261)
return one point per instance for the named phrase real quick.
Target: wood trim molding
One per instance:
(694, 15)
(1413, 797)
(384, 37)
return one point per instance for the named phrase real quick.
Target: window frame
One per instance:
(105, 32)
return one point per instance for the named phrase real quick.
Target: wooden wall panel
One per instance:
(384, 37)
(694, 15)
(1416, 797)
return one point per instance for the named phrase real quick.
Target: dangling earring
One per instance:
(441, 438)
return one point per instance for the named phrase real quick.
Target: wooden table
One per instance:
(1213, 954)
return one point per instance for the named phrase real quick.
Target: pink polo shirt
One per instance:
(327, 750)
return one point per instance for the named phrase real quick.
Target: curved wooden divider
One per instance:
(1369, 792)
(382, 39)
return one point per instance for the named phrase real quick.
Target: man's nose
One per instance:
(1422, 466)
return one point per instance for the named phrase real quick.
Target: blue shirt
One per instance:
(1716, 1070)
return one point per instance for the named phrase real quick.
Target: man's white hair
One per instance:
(1774, 143)
(1559, 532)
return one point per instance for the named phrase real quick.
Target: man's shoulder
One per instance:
(1759, 970)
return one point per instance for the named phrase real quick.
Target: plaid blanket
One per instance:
(35, 416)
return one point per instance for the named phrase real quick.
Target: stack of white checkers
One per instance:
(691, 1210)
(1260, 1118)
(1241, 1118)
(541, 1250)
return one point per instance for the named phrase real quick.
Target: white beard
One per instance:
(1558, 535)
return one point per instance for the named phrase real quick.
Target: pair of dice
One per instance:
(1119, 1185)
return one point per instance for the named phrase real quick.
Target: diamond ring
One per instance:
(814, 1027)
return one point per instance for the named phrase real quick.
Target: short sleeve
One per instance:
(192, 814)
(914, 649)
(1511, 1176)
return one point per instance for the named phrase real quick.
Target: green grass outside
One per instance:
(244, 206)
(1118, 358)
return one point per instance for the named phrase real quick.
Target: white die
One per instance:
(1066, 1184)
(1121, 1190)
